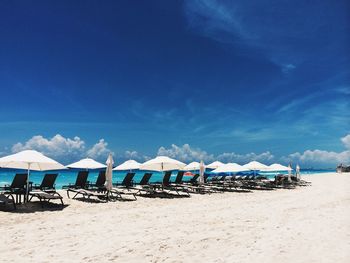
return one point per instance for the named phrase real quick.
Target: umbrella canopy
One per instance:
(109, 171)
(214, 165)
(161, 164)
(128, 165)
(201, 172)
(30, 159)
(192, 166)
(256, 166)
(86, 163)
(230, 168)
(278, 167)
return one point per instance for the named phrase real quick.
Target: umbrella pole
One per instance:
(27, 189)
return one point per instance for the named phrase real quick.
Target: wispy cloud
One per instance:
(216, 20)
(288, 68)
(275, 28)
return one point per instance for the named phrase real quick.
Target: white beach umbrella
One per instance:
(214, 165)
(109, 171)
(128, 165)
(86, 163)
(192, 166)
(201, 172)
(256, 166)
(230, 168)
(297, 170)
(161, 164)
(278, 167)
(30, 160)
(290, 173)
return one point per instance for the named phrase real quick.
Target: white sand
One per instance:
(308, 224)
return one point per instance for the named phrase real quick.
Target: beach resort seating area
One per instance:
(178, 180)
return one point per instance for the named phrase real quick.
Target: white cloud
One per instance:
(61, 148)
(265, 157)
(57, 146)
(71, 149)
(99, 150)
(185, 153)
(346, 141)
(320, 157)
(135, 156)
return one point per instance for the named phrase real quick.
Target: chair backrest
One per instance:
(194, 178)
(206, 177)
(166, 178)
(145, 178)
(223, 177)
(19, 181)
(127, 181)
(179, 176)
(48, 181)
(81, 179)
(101, 179)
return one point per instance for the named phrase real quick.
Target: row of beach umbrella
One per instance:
(33, 160)
(163, 163)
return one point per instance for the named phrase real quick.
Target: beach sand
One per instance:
(307, 224)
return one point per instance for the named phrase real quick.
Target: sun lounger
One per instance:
(169, 187)
(192, 185)
(88, 194)
(125, 187)
(127, 181)
(80, 183)
(99, 185)
(17, 188)
(48, 183)
(144, 186)
(45, 196)
(98, 189)
(7, 199)
(46, 191)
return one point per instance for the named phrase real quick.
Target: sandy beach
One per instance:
(308, 224)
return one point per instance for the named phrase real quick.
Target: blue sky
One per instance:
(241, 78)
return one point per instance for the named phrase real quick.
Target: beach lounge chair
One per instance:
(115, 193)
(48, 183)
(81, 187)
(192, 186)
(127, 181)
(144, 186)
(80, 183)
(46, 191)
(17, 188)
(99, 185)
(252, 182)
(88, 194)
(98, 190)
(125, 188)
(7, 199)
(169, 187)
(45, 197)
